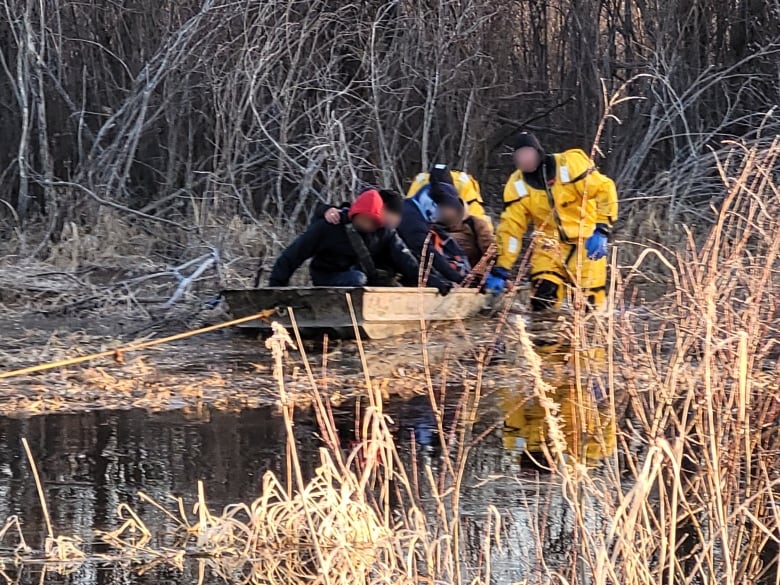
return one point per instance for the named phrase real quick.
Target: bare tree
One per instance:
(187, 111)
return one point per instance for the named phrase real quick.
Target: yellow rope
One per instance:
(117, 353)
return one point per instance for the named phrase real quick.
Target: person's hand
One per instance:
(444, 288)
(495, 283)
(333, 216)
(596, 245)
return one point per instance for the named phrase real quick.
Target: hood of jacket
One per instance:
(369, 203)
(426, 205)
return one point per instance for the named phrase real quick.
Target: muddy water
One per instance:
(99, 449)
(92, 462)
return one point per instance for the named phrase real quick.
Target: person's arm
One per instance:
(484, 234)
(511, 227)
(415, 233)
(402, 258)
(407, 265)
(303, 248)
(601, 188)
(333, 214)
(442, 265)
(469, 192)
(320, 209)
(437, 282)
(595, 186)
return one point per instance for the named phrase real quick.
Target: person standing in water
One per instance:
(573, 207)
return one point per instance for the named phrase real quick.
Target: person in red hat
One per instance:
(346, 254)
(393, 209)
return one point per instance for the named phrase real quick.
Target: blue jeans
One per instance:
(349, 278)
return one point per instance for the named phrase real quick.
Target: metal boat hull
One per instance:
(379, 312)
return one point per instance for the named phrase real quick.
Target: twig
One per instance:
(39, 487)
(186, 282)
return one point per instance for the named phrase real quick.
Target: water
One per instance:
(94, 456)
(92, 462)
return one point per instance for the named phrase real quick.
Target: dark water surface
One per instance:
(92, 462)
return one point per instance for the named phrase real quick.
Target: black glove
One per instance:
(444, 288)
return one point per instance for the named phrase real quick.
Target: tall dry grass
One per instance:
(691, 495)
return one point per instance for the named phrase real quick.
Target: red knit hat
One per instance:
(369, 203)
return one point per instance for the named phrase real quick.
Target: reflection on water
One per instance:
(91, 463)
(584, 411)
(589, 431)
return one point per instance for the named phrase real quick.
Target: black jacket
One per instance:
(414, 231)
(331, 251)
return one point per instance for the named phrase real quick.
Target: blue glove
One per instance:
(496, 281)
(596, 245)
(600, 393)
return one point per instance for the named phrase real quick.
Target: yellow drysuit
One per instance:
(466, 186)
(581, 197)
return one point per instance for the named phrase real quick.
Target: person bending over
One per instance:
(573, 206)
(344, 254)
(435, 205)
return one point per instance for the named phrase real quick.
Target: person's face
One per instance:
(527, 159)
(449, 215)
(364, 223)
(392, 219)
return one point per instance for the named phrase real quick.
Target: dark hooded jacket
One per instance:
(415, 230)
(331, 251)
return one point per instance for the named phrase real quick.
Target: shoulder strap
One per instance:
(553, 209)
(582, 175)
(360, 248)
(471, 223)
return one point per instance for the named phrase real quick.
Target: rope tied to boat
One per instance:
(118, 352)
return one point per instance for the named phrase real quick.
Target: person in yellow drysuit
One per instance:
(572, 207)
(466, 186)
